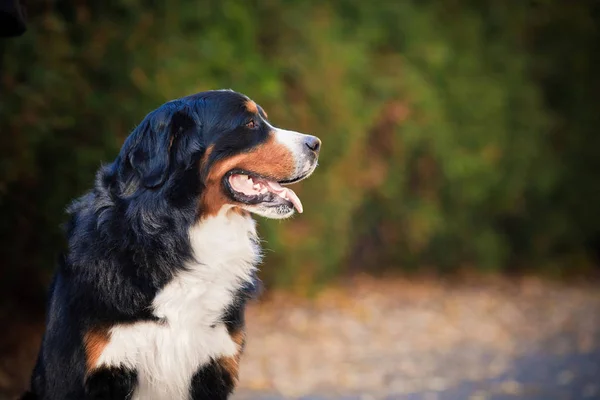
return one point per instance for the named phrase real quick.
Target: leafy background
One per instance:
(457, 134)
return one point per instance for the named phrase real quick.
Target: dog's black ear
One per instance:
(153, 142)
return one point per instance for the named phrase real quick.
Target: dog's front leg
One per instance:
(110, 383)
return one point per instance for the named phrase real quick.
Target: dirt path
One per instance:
(427, 340)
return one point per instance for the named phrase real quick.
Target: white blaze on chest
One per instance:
(167, 355)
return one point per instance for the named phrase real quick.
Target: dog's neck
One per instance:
(226, 253)
(226, 244)
(231, 230)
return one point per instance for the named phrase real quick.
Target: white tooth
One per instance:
(282, 195)
(256, 186)
(264, 190)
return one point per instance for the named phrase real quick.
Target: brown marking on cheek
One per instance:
(94, 341)
(213, 197)
(270, 159)
(232, 364)
(213, 201)
(251, 107)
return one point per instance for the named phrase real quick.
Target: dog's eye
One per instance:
(251, 124)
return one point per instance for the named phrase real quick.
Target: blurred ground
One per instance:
(400, 339)
(397, 339)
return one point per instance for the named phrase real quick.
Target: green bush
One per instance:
(454, 133)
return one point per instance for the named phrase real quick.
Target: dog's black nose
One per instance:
(313, 143)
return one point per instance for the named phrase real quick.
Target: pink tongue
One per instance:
(289, 194)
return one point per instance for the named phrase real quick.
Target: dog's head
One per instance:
(219, 150)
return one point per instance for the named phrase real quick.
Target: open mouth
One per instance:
(251, 188)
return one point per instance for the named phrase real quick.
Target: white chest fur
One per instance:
(166, 356)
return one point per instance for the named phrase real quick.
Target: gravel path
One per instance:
(398, 339)
(534, 377)
(426, 340)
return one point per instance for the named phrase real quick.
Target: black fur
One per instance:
(110, 384)
(128, 237)
(234, 316)
(212, 382)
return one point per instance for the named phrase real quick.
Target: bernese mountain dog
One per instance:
(148, 300)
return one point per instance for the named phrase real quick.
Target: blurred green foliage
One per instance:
(456, 133)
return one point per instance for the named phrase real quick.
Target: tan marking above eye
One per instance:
(251, 107)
